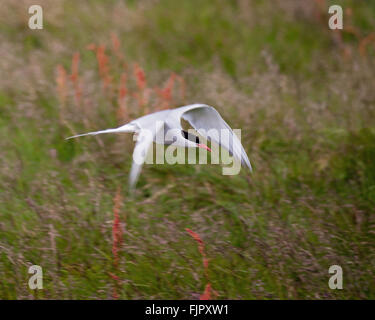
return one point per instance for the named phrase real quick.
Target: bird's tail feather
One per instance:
(126, 128)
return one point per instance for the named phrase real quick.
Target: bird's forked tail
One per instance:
(125, 128)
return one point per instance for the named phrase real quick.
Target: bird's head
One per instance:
(193, 141)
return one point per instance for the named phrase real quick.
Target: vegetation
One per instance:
(302, 94)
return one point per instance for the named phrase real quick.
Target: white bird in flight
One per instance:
(201, 117)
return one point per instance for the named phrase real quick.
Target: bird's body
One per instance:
(164, 127)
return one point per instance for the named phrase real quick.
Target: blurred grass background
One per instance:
(302, 94)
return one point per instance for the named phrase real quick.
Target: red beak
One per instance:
(203, 146)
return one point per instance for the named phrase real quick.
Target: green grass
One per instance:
(304, 102)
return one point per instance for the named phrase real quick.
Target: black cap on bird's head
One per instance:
(190, 137)
(195, 139)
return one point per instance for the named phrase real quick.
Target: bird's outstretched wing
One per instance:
(144, 142)
(203, 118)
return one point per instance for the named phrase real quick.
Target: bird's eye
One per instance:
(190, 137)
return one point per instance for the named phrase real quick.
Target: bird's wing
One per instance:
(203, 118)
(144, 142)
(130, 127)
